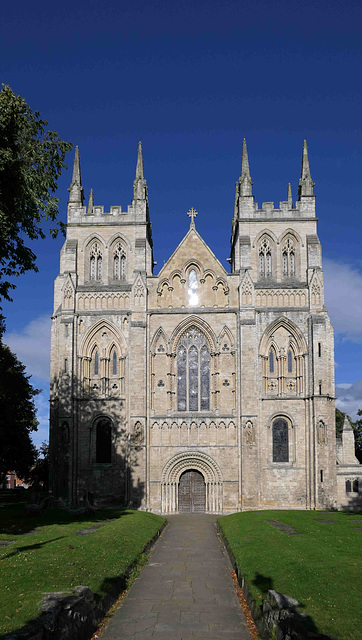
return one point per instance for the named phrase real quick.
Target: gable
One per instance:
(171, 287)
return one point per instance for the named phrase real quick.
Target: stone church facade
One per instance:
(196, 389)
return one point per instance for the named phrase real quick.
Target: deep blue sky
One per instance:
(191, 79)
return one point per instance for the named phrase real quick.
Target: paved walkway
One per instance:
(184, 592)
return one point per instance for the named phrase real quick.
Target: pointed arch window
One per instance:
(265, 258)
(288, 255)
(96, 363)
(95, 262)
(114, 363)
(193, 289)
(193, 372)
(119, 263)
(290, 361)
(271, 361)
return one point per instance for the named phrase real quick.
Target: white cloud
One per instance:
(349, 398)
(32, 346)
(343, 294)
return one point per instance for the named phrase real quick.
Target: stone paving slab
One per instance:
(185, 592)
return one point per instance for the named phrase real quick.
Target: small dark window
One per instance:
(320, 388)
(271, 361)
(65, 365)
(348, 486)
(321, 475)
(355, 486)
(319, 349)
(104, 441)
(290, 362)
(280, 440)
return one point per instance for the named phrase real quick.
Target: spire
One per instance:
(139, 184)
(76, 193)
(139, 167)
(90, 202)
(346, 424)
(290, 197)
(306, 183)
(245, 180)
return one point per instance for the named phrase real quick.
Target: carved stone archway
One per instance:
(186, 461)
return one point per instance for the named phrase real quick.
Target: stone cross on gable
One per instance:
(192, 214)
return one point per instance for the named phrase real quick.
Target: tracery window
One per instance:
(193, 289)
(119, 263)
(104, 440)
(265, 258)
(193, 372)
(95, 265)
(280, 440)
(288, 254)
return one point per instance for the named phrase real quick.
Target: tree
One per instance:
(39, 473)
(17, 416)
(357, 429)
(339, 422)
(31, 161)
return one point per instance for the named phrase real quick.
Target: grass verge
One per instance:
(55, 558)
(321, 567)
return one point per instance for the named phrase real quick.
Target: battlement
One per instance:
(303, 209)
(81, 215)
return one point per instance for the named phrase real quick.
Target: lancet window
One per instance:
(193, 371)
(193, 289)
(290, 361)
(114, 363)
(271, 361)
(265, 258)
(95, 266)
(288, 255)
(96, 363)
(119, 263)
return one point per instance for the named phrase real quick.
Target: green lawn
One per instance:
(321, 568)
(57, 559)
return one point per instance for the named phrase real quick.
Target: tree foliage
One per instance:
(17, 416)
(31, 161)
(39, 473)
(357, 429)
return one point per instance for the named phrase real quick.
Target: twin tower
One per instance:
(195, 390)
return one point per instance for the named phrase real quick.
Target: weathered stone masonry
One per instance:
(227, 375)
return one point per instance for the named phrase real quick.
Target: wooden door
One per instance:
(192, 493)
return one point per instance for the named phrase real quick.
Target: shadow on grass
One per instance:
(30, 547)
(14, 520)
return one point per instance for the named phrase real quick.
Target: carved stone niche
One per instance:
(137, 435)
(249, 432)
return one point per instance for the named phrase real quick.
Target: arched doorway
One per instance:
(195, 461)
(192, 492)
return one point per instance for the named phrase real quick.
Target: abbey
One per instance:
(196, 389)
